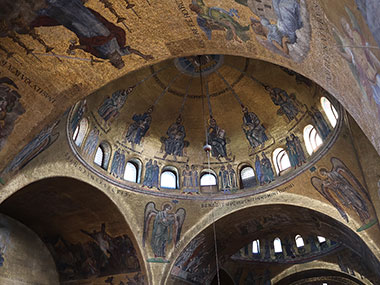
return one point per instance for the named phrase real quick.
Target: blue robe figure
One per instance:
(292, 152)
(300, 153)
(78, 115)
(281, 98)
(259, 174)
(148, 177)
(91, 142)
(288, 21)
(110, 108)
(121, 165)
(253, 129)
(320, 123)
(232, 177)
(115, 163)
(313, 247)
(96, 34)
(155, 174)
(137, 130)
(266, 167)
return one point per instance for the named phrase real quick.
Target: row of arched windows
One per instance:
(277, 245)
(169, 177)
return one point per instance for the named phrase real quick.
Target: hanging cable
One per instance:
(167, 87)
(207, 149)
(185, 98)
(151, 75)
(230, 87)
(208, 100)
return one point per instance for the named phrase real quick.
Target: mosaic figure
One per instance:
(232, 177)
(110, 108)
(156, 174)
(175, 143)
(215, 18)
(115, 163)
(40, 142)
(194, 174)
(362, 61)
(121, 164)
(217, 140)
(167, 227)
(4, 241)
(152, 172)
(319, 122)
(187, 184)
(286, 30)
(225, 183)
(299, 150)
(342, 189)
(292, 152)
(92, 142)
(96, 34)
(10, 108)
(148, 177)
(288, 248)
(267, 170)
(78, 115)
(259, 173)
(281, 98)
(370, 10)
(102, 255)
(137, 130)
(253, 129)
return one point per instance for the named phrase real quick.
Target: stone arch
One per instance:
(242, 226)
(80, 225)
(328, 275)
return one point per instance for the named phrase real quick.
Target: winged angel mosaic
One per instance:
(343, 190)
(166, 227)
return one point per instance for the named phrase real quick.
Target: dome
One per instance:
(150, 127)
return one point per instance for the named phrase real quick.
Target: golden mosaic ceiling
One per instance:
(248, 108)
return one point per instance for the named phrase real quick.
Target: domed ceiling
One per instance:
(160, 116)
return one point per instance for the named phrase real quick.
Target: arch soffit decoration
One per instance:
(314, 265)
(118, 209)
(298, 202)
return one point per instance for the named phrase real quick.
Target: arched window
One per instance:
(103, 155)
(99, 156)
(330, 111)
(277, 245)
(256, 246)
(311, 138)
(299, 241)
(131, 172)
(281, 160)
(80, 132)
(321, 239)
(168, 179)
(208, 179)
(247, 176)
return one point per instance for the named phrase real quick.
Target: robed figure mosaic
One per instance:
(343, 190)
(167, 227)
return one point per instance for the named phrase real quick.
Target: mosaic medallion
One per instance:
(194, 65)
